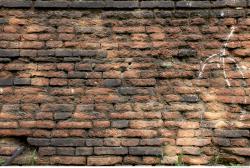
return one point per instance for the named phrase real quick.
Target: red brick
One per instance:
(103, 160)
(33, 45)
(7, 124)
(145, 124)
(74, 124)
(36, 29)
(193, 141)
(40, 81)
(58, 82)
(68, 160)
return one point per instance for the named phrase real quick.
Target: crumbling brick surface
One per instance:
(125, 82)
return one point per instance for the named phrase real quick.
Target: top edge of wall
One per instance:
(122, 4)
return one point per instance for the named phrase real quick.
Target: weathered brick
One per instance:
(49, 4)
(112, 82)
(193, 141)
(193, 4)
(145, 124)
(110, 150)
(68, 160)
(196, 160)
(94, 142)
(16, 4)
(157, 151)
(122, 4)
(62, 116)
(84, 53)
(238, 151)
(63, 52)
(221, 141)
(67, 142)
(6, 81)
(47, 151)
(104, 160)
(22, 81)
(127, 91)
(87, 4)
(3, 21)
(84, 151)
(74, 124)
(68, 151)
(230, 3)
(157, 4)
(39, 141)
(112, 142)
(57, 107)
(120, 123)
(231, 133)
(9, 53)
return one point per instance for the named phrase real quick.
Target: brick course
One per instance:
(119, 82)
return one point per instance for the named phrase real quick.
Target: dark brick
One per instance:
(5, 60)
(84, 151)
(62, 116)
(87, 4)
(120, 124)
(102, 54)
(51, 4)
(6, 81)
(3, 21)
(85, 53)
(78, 75)
(28, 53)
(22, 81)
(16, 3)
(190, 98)
(232, 133)
(193, 4)
(46, 52)
(68, 151)
(112, 142)
(181, 14)
(229, 3)
(127, 91)
(67, 142)
(238, 151)
(151, 142)
(39, 141)
(163, 14)
(200, 13)
(225, 13)
(110, 150)
(85, 30)
(63, 52)
(156, 151)
(112, 82)
(187, 53)
(57, 107)
(94, 142)
(221, 141)
(9, 53)
(157, 4)
(122, 4)
(47, 151)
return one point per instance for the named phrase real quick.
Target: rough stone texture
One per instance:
(123, 82)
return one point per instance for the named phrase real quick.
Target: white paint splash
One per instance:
(222, 57)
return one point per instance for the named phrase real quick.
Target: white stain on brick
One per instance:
(222, 57)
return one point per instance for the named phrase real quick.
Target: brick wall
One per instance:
(125, 82)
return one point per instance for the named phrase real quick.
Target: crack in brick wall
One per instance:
(116, 82)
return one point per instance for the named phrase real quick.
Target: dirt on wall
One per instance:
(125, 82)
